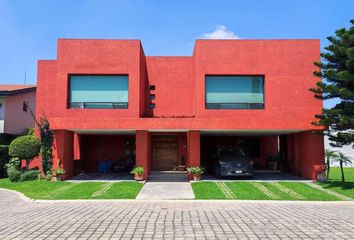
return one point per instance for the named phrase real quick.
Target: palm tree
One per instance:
(329, 154)
(343, 160)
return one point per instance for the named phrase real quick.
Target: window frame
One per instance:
(68, 105)
(234, 75)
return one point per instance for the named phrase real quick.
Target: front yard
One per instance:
(333, 190)
(269, 191)
(67, 190)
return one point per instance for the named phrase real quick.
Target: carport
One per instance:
(296, 159)
(104, 156)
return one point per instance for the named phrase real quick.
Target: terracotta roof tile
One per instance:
(14, 87)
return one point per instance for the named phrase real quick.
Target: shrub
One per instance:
(58, 171)
(13, 174)
(14, 163)
(30, 131)
(25, 147)
(30, 175)
(195, 170)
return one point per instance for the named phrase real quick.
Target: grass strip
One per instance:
(309, 192)
(227, 192)
(103, 190)
(265, 190)
(345, 188)
(58, 191)
(338, 195)
(122, 190)
(207, 190)
(245, 190)
(288, 191)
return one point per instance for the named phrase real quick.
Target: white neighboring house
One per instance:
(347, 150)
(14, 117)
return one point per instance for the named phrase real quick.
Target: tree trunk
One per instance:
(27, 165)
(341, 170)
(328, 167)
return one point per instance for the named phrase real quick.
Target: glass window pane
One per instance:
(98, 91)
(231, 91)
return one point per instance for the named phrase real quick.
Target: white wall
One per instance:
(2, 114)
(347, 150)
(16, 120)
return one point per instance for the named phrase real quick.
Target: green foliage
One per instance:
(4, 159)
(68, 190)
(30, 175)
(337, 69)
(30, 131)
(195, 170)
(58, 171)
(13, 174)
(138, 170)
(329, 154)
(14, 163)
(25, 147)
(46, 144)
(343, 160)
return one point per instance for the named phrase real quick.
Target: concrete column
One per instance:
(63, 149)
(193, 148)
(143, 150)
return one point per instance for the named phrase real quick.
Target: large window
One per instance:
(234, 92)
(99, 91)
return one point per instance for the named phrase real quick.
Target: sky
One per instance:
(29, 29)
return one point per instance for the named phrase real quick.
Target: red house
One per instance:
(105, 99)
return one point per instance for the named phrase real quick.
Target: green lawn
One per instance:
(335, 175)
(67, 190)
(260, 191)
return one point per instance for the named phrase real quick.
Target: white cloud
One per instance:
(220, 32)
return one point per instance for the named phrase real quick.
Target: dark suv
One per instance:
(232, 162)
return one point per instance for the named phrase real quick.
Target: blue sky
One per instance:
(29, 29)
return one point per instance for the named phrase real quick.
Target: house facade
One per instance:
(106, 100)
(14, 101)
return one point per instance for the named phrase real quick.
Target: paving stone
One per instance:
(174, 219)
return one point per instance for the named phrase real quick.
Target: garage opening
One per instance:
(105, 156)
(267, 154)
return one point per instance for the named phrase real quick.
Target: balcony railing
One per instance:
(235, 105)
(99, 105)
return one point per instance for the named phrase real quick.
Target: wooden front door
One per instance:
(164, 152)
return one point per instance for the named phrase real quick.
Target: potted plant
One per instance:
(182, 165)
(57, 173)
(273, 161)
(196, 172)
(138, 172)
(320, 171)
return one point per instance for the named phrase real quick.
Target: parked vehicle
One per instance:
(233, 162)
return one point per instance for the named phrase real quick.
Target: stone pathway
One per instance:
(167, 186)
(166, 191)
(173, 219)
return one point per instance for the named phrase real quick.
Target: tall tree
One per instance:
(337, 72)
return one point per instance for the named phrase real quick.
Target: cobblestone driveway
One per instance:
(21, 219)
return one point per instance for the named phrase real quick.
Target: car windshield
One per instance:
(230, 154)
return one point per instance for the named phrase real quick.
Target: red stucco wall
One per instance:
(287, 66)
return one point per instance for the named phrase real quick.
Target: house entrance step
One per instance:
(168, 176)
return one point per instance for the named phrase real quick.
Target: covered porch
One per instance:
(86, 152)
